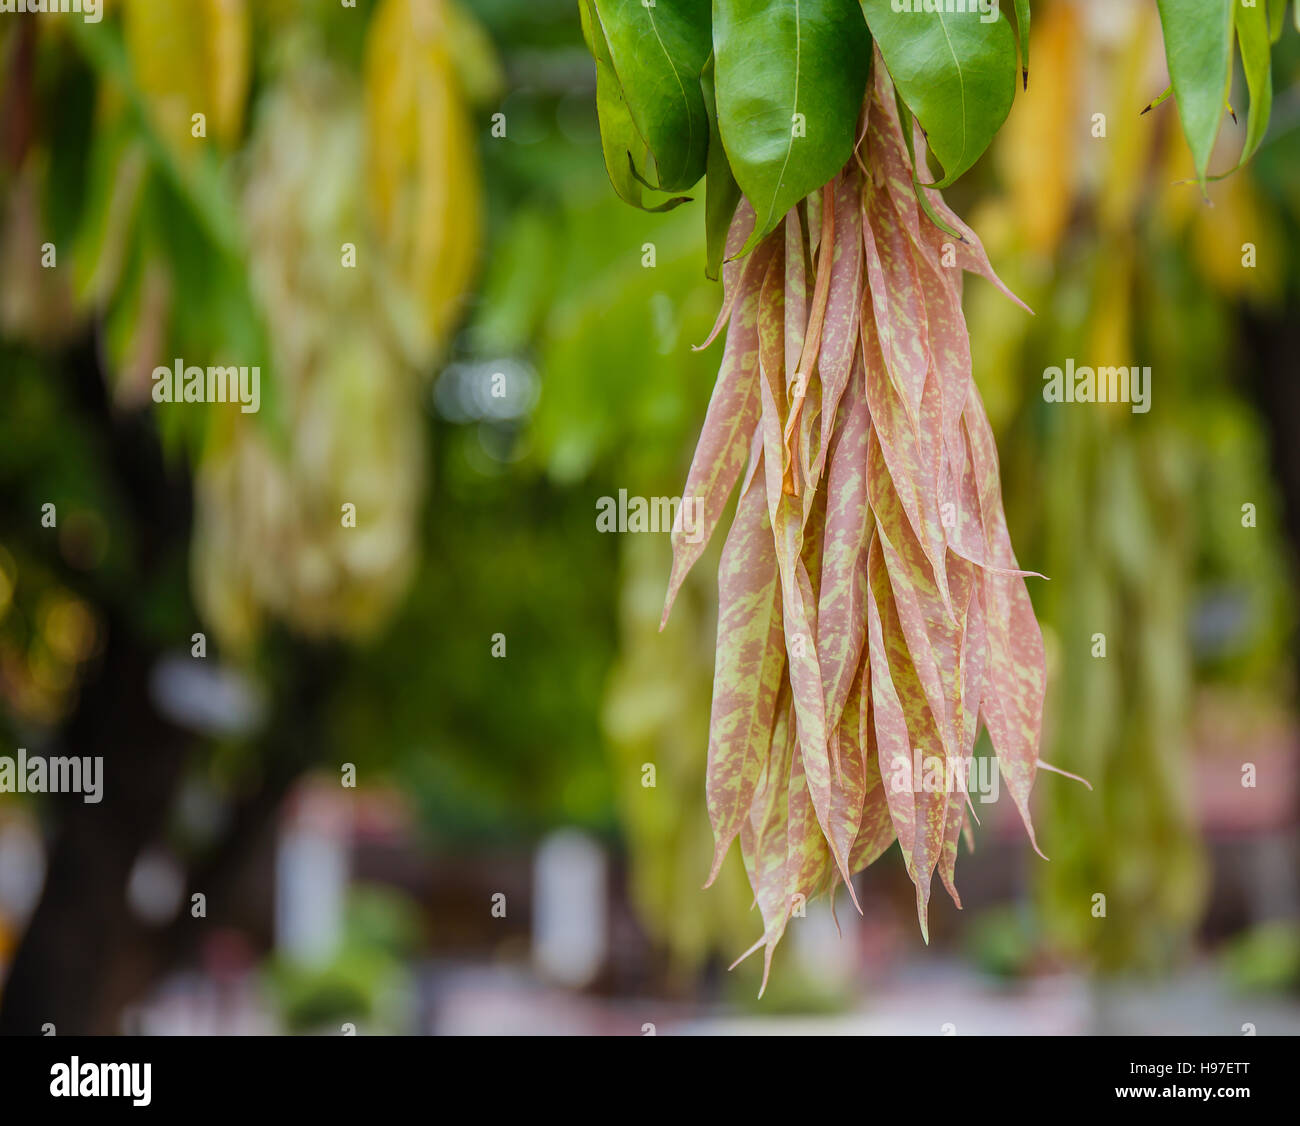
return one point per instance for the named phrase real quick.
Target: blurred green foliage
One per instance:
(1264, 959)
(364, 982)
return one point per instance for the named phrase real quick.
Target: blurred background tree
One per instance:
(191, 172)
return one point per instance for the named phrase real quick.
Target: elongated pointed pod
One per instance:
(872, 612)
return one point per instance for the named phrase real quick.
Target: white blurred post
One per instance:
(311, 877)
(569, 908)
(823, 953)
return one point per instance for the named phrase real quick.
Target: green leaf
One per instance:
(1257, 62)
(721, 192)
(790, 82)
(1198, 46)
(905, 118)
(955, 71)
(620, 139)
(1022, 32)
(658, 52)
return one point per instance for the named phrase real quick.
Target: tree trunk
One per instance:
(84, 955)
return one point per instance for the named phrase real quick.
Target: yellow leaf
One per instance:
(228, 44)
(422, 173)
(1037, 153)
(1221, 236)
(190, 58)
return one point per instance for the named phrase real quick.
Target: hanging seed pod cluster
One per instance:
(871, 609)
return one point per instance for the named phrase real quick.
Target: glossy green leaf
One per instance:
(956, 71)
(658, 52)
(620, 139)
(790, 81)
(1198, 46)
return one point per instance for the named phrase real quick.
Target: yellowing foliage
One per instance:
(422, 170)
(1037, 153)
(189, 58)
